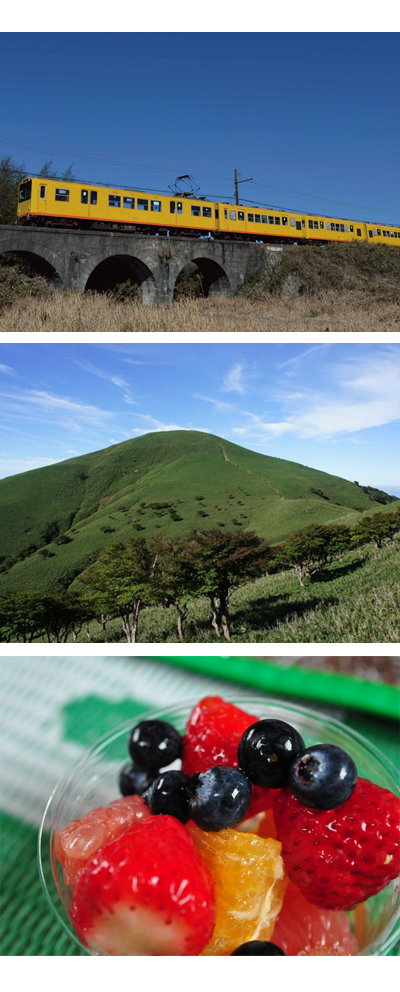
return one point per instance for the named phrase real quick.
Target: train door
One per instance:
(42, 199)
(84, 204)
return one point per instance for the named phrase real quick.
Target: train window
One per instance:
(179, 207)
(240, 215)
(292, 222)
(284, 221)
(342, 228)
(310, 223)
(62, 194)
(232, 215)
(156, 206)
(346, 227)
(114, 200)
(217, 215)
(84, 196)
(374, 232)
(379, 231)
(129, 202)
(277, 220)
(264, 219)
(359, 232)
(338, 227)
(142, 204)
(321, 223)
(226, 214)
(25, 190)
(328, 226)
(315, 225)
(172, 206)
(195, 211)
(351, 228)
(93, 197)
(370, 234)
(42, 193)
(270, 219)
(250, 217)
(207, 212)
(257, 218)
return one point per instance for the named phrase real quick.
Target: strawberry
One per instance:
(76, 843)
(212, 737)
(338, 858)
(146, 893)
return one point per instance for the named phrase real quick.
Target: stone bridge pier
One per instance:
(87, 260)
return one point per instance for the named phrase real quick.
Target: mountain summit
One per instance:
(55, 520)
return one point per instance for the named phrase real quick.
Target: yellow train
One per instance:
(52, 202)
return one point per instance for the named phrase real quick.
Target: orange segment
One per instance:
(249, 883)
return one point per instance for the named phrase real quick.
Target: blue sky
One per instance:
(334, 407)
(313, 118)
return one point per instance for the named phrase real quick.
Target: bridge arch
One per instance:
(214, 278)
(39, 257)
(109, 269)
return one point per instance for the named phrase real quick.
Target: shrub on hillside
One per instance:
(18, 281)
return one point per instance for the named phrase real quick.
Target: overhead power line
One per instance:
(155, 168)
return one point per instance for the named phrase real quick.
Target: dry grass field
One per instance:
(329, 311)
(337, 288)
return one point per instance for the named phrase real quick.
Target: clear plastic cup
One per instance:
(93, 781)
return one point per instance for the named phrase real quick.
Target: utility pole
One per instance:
(236, 188)
(237, 181)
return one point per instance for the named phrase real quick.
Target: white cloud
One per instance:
(159, 426)
(115, 380)
(233, 382)
(7, 370)
(304, 354)
(219, 404)
(74, 413)
(364, 395)
(14, 466)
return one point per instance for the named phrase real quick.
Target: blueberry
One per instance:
(169, 794)
(266, 752)
(154, 744)
(133, 780)
(323, 777)
(219, 797)
(258, 947)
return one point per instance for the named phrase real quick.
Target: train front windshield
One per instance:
(25, 190)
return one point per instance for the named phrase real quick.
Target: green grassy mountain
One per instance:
(55, 520)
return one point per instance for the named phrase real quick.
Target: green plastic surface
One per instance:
(333, 688)
(119, 688)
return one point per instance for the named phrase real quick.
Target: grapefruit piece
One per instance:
(76, 843)
(304, 930)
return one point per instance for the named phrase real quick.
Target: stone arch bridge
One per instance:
(85, 260)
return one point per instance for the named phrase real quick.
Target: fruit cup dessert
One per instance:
(238, 837)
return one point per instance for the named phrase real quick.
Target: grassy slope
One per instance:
(354, 601)
(105, 488)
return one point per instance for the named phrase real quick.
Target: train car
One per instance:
(267, 225)
(55, 203)
(51, 202)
